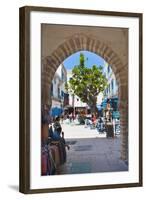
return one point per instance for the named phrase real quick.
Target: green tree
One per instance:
(87, 83)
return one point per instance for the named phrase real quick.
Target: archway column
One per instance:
(46, 101)
(123, 108)
(124, 132)
(46, 79)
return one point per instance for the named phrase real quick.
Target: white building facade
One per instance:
(58, 89)
(112, 87)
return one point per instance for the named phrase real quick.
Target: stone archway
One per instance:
(78, 42)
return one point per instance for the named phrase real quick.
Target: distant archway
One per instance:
(79, 42)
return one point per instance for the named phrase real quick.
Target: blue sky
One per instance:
(93, 59)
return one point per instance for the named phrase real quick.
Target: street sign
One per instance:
(115, 114)
(103, 105)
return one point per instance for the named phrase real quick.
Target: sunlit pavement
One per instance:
(90, 151)
(80, 131)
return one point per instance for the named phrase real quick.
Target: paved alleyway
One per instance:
(91, 152)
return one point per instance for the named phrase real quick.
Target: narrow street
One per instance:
(90, 152)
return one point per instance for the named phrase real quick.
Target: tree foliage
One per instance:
(87, 83)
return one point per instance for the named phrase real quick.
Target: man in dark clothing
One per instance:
(57, 134)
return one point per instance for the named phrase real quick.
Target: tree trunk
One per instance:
(94, 109)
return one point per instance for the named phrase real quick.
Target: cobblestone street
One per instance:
(90, 151)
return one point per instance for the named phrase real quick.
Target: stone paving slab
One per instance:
(91, 154)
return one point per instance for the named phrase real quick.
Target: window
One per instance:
(112, 84)
(62, 94)
(62, 74)
(58, 92)
(52, 89)
(108, 69)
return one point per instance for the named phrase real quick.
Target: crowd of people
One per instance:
(91, 120)
(94, 121)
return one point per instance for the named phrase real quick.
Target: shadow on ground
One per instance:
(14, 187)
(92, 155)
